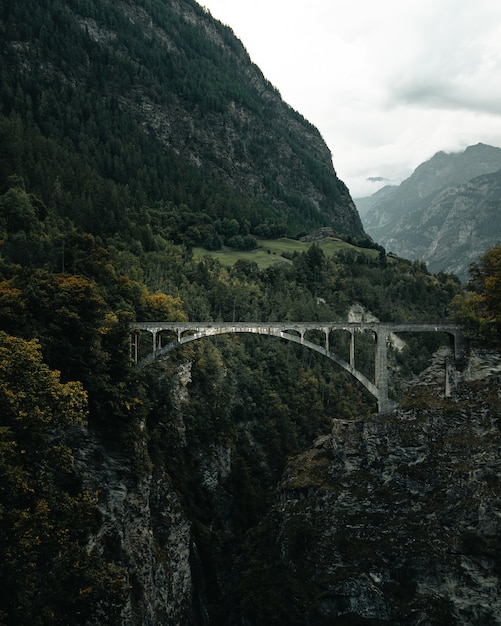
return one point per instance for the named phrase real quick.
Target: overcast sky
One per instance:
(388, 83)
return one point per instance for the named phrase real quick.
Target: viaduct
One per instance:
(185, 332)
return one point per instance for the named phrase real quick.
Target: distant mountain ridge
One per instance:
(447, 213)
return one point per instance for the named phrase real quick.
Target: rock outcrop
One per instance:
(397, 519)
(390, 520)
(144, 530)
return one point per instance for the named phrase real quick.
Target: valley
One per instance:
(151, 174)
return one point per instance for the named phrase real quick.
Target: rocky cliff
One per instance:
(394, 520)
(446, 213)
(142, 526)
(454, 229)
(387, 520)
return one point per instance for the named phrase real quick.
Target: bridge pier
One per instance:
(134, 346)
(385, 405)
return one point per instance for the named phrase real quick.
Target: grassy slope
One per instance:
(271, 251)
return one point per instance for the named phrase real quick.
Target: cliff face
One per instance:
(454, 229)
(446, 213)
(386, 520)
(396, 520)
(142, 527)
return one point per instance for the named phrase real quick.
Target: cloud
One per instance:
(454, 61)
(387, 83)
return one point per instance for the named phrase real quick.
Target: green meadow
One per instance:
(271, 251)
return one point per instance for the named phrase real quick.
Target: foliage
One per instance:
(86, 98)
(46, 572)
(259, 398)
(98, 220)
(479, 309)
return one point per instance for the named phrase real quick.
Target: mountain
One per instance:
(446, 213)
(191, 491)
(366, 205)
(456, 227)
(156, 102)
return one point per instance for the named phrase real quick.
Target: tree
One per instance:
(16, 211)
(486, 279)
(159, 306)
(46, 572)
(479, 310)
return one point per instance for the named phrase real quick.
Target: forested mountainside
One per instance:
(446, 214)
(142, 497)
(118, 112)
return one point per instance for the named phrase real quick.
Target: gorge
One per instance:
(241, 479)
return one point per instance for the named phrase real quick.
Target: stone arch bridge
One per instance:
(185, 332)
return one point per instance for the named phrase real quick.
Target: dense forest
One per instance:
(156, 105)
(97, 226)
(69, 325)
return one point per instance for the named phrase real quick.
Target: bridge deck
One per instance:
(299, 326)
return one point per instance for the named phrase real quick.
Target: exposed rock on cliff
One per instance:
(143, 529)
(454, 229)
(393, 520)
(387, 520)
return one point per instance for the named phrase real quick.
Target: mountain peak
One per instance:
(445, 213)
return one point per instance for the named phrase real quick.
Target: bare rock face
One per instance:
(142, 529)
(397, 520)
(453, 229)
(390, 520)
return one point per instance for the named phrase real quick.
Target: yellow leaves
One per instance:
(75, 401)
(161, 307)
(42, 507)
(11, 297)
(491, 282)
(134, 404)
(24, 376)
(480, 309)
(78, 287)
(86, 591)
(492, 259)
(224, 275)
(493, 295)
(110, 322)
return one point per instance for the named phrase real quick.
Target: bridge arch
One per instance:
(187, 332)
(292, 333)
